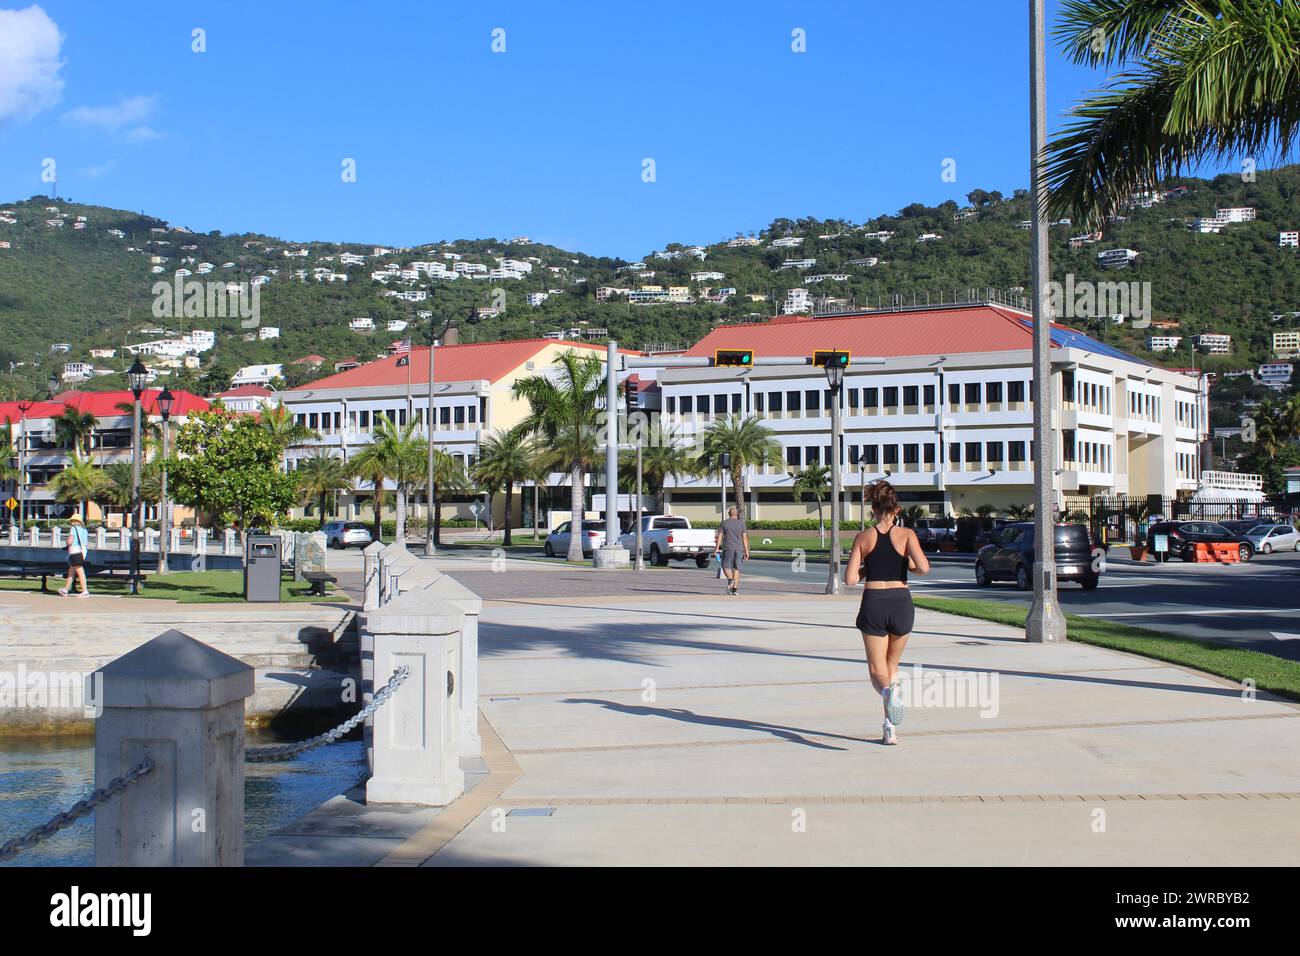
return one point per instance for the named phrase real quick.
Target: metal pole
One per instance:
(611, 448)
(22, 468)
(640, 560)
(722, 485)
(135, 497)
(837, 434)
(1045, 623)
(429, 547)
(862, 492)
(164, 515)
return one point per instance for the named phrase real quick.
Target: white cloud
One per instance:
(124, 112)
(29, 63)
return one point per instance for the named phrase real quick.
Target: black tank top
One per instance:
(883, 563)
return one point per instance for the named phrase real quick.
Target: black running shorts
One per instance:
(886, 611)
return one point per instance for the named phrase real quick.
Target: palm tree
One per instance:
(1205, 81)
(81, 482)
(75, 429)
(1020, 512)
(813, 479)
(667, 458)
(566, 414)
(448, 475)
(397, 454)
(370, 468)
(283, 427)
(8, 453)
(505, 458)
(540, 466)
(747, 440)
(320, 476)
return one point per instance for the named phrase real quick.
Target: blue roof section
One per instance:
(1072, 339)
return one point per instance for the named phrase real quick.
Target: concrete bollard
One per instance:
(13, 535)
(149, 543)
(228, 546)
(56, 537)
(392, 560)
(175, 547)
(471, 605)
(124, 538)
(415, 755)
(101, 538)
(34, 535)
(181, 703)
(370, 575)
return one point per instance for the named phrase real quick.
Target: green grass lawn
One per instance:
(185, 587)
(1269, 673)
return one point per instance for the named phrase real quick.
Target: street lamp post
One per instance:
(1045, 623)
(165, 401)
(137, 375)
(23, 408)
(448, 336)
(835, 379)
(724, 465)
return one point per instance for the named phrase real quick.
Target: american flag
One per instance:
(399, 347)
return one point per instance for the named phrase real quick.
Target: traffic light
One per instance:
(733, 357)
(830, 357)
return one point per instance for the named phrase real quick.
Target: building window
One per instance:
(473, 418)
(954, 453)
(973, 452)
(812, 455)
(444, 415)
(954, 396)
(735, 402)
(792, 401)
(994, 452)
(1016, 451)
(911, 397)
(1015, 391)
(911, 454)
(870, 400)
(672, 404)
(890, 398)
(719, 404)
(929, 397)
(776, 400)
(758, 401)
(853, 401)
(972, 393)
(688, 404)
(871, 455)
(792, 456)
(365, 419)
(891, 455)
(460, 415)
(929, 453)
(812, 399)
(995, 393)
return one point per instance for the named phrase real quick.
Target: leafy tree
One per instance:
(505, 458)
(320, 476)
(747, 440)
(565, 415)
(448, 476)
(216, 378)
(814, 480)
(75, 429)
(283, 428)
(228, 466)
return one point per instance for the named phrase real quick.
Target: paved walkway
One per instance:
(641, 730)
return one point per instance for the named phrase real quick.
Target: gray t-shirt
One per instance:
(733, 535)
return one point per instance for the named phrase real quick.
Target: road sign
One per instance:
(733, 357)
(475, 509)
(832, 357)
(11, 503)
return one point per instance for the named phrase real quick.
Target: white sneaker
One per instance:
(888, 734)
(63, 592)
(82, 594)
(893, 705)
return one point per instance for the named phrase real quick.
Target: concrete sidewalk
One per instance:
(716, 730)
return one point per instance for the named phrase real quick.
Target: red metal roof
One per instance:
(472, 361)
(242, 390)
(924, 332)
(104, 404)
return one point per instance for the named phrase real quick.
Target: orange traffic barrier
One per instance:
(1221, 552)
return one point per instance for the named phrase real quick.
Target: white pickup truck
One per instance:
(667, 538)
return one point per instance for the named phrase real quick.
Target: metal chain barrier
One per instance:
(285, 751)
(80, 809)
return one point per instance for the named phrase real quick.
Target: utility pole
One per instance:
(1045, 623)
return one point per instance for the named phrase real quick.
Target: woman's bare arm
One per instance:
(853, 570)
(916, 559)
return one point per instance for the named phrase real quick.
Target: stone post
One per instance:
(414, 736)
(101, 538)
(34, 535)
(176, 541)
(13, 535)
(471, 605)
(181, 703)
(56, 537)
(370, 575)
(228, 546)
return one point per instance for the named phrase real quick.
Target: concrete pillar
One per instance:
(175, 542)
(101, 538)
(181, 703)
(370, 575)
(471, 605)
(149, 543)
(228, 545)
(393, 559)
(200, 540)
(56, 537)
(34, 535)
(13, 535)
(415, 736)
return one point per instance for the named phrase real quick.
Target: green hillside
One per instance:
(86, 287)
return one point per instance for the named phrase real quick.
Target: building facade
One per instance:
(946, 415)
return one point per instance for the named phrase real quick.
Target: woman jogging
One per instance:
(881, 558)
(78, 546)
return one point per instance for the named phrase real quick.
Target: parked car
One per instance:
(932, 532)
(1267, 538)
(346, 534)
(557, 542)
(1011, 557)
(667, 538)
(1245, 525)
(1185, 535)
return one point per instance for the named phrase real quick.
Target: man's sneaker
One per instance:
(63, 592)
(888, 735)
(893, 704)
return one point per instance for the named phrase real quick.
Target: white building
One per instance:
(1212, 343)
(61, 347)
(397, 325)
(362, 324)
(77, 371)
(1276, 375)
(265, 332)
(1116, 258)
(257, 374)
(1289, 239)
(1286, 344)
(1163, 343)
(103, 353)
(536, 298)
(951, 427)
(787, 242)
(1235, 214)
(797, 302)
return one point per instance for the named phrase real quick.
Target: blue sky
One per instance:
(547, 139)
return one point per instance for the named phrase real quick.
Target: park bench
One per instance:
(10, 568)
(318, 581)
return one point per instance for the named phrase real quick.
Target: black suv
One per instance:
(1185, 535)
(1011, 557)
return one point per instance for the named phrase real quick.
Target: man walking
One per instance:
(732, 543)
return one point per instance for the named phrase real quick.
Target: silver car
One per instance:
(557, 542)
(346, 534)
(1268, 538)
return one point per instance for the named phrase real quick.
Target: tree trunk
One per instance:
(401, 515)
(379, 518)
(437, 515)
(576, 497)
(509, 488)
(537, 519)
(738, 491)
(821, 524)
(322, 510)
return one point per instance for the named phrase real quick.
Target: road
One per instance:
(1244, 605)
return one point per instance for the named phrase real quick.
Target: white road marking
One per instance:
(1218, 610)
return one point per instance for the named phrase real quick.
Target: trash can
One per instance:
(262, 568)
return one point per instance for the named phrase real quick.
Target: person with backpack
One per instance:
(78, 549)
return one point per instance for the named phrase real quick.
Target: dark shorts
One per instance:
(886, 611)
(731, 560)
(74, 560)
